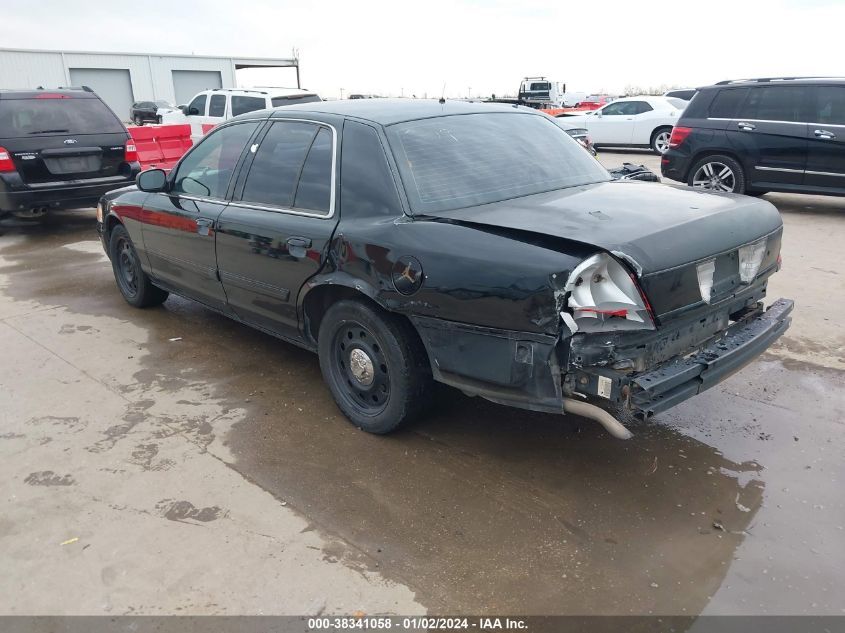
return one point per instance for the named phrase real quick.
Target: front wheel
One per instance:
(660, 140)
(374, 364)
(134, 284)
(717, 173)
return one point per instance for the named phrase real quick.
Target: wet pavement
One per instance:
(207, 469)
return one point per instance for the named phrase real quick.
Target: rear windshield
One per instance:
(46, 115)
(294, 99)
(465, 160)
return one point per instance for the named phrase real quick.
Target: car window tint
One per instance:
(217, 105)
(458, 161)
(367, 188)
(315, 183)
(727, 102)
(773, 103)
(277, 164)
(69, 115)
(197, 106)
(643, 106)
(829, 105)
(242, 105)
(614, 109)
(207, 169)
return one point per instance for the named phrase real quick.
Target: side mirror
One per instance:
(152, 180)
(598, 113)
(183, 108)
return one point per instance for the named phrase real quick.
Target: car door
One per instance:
(769, 135)
(826, 138)
(179, 224)
(613, 124)
(275, 234)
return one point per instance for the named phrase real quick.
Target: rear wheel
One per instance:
(374, 364)
(660, 140)
(717, 173)
(134, 284)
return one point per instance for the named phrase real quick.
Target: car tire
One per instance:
(374, 364)
(137, 120)
(134, 284)
(660, 140)
(717, 173)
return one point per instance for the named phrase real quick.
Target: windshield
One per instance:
(465, 160)
(56, 115)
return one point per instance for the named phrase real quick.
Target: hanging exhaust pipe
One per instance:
(591, 411)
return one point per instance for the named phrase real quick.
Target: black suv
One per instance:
(60, 148)
(759, 135)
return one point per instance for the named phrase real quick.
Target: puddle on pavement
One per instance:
(479, 508)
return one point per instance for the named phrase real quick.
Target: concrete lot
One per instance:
(172, 461)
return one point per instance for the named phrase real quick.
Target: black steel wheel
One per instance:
(374, 364)
(134, 284)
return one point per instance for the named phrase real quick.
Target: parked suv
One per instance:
(212, 107)
(60, 148)
(760, 135)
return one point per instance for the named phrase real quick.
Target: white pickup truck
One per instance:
(210, 107)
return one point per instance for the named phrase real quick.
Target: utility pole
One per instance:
(341, 94)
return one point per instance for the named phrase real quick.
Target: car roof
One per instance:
(259, 91)
(79, 93)
(779, 81)
(391, 111)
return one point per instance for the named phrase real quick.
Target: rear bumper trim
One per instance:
(676, 380)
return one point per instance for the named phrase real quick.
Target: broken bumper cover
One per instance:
(670, 383)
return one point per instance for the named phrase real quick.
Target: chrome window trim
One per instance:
(332, 199)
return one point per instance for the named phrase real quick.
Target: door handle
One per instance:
(824, 135)
(746, 127)
(299, 242)
(204, 225)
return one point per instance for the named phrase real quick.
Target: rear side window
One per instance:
(242, 105)
(727, 102)
(829, 105)
(277, 164)
(217, 105)
(294, 99)
(55, 115)
(206, 170)
(315, 182)
(774, 103)
(367, 186)
(197, 106)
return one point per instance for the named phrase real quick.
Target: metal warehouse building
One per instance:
(123, 78)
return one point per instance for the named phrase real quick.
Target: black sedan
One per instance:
(147, 111)
(476, 245)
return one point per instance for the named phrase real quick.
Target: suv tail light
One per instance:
(6, 163)
(605, 297)
(679, 135)
(130, 153)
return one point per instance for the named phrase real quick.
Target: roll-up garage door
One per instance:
(114, 86)
(187, 83)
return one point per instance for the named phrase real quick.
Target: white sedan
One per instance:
(632, 122)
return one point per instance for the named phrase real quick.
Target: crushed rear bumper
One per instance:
(670, 383)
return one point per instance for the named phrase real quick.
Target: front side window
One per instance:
(774, 103)
(622, 108)
(242, 105)
(206, 170)
(217, 105)
(278, 163)
(459, 161)
(642, 107)
(197, 106)
(829, 105)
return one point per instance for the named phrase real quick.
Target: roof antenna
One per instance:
(442, 98)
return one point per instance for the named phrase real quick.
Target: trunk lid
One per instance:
(656, 227)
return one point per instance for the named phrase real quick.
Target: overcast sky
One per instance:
(475, 46)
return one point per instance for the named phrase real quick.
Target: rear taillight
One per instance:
(605, 297)
(679, 135)
(6, 163)
(130, 153)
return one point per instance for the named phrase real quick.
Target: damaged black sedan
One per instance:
(472, 244)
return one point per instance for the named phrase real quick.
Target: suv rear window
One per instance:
(726, 104)
(63, 115)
